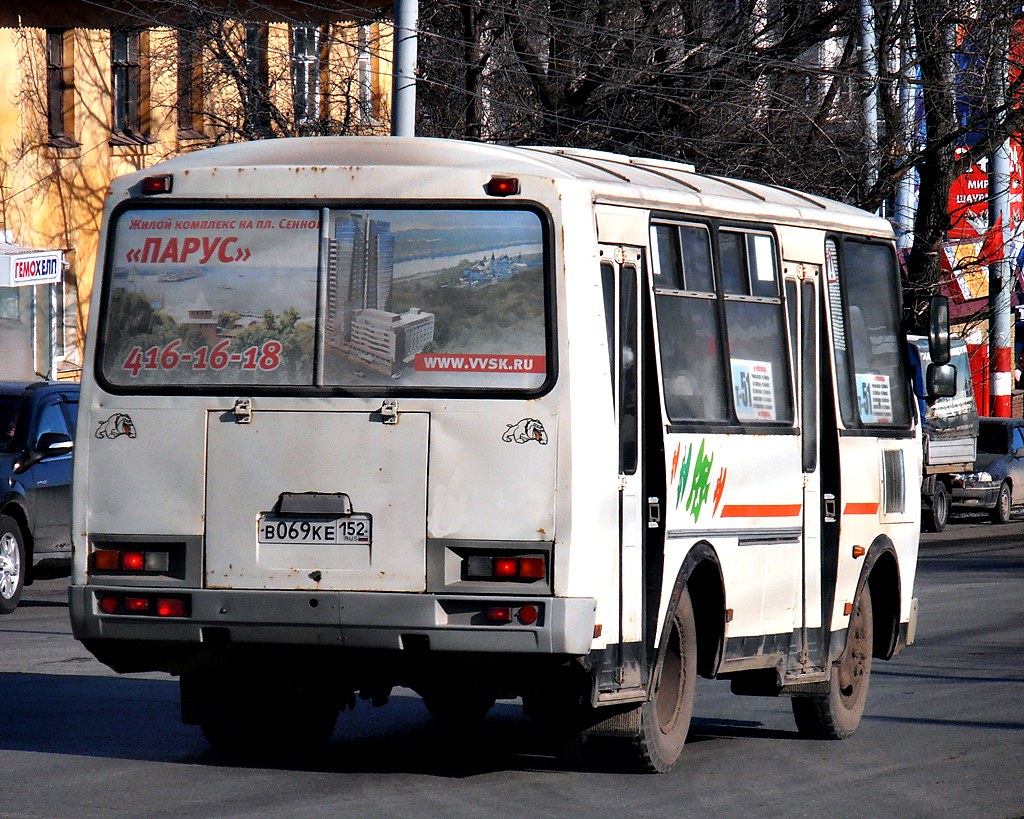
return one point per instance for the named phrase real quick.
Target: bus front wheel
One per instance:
(665, 717)
(837, 714)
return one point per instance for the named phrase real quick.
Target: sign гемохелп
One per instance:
(34, 267)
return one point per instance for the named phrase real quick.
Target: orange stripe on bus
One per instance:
(860, 509)
(761, 511)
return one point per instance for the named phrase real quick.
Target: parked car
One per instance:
(37, 424)
(997, 482)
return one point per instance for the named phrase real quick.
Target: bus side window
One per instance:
(692, 364)
(608, 293)
(756, 325)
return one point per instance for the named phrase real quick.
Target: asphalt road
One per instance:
(943, 734)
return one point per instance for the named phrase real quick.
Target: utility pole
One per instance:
(869, 75)
(403, 80)
(906, 200)
(1000, 285)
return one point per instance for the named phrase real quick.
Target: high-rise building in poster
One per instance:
(362, 268)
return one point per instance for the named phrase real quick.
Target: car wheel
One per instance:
(12, 564)
(1001, 511)
(936, 518)
(837, 714)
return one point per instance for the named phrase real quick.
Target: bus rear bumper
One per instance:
(363, 620)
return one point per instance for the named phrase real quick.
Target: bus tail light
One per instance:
(148, 605)
(506, 567)
(129, 561)
(171, 607)
(499, 614)
(526, 614)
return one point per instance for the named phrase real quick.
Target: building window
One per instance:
(60, 88)
(190, 85)
(256, 91)
(126, 88)
(307, 63)
(364, 75)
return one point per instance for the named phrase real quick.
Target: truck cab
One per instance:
(950, 431)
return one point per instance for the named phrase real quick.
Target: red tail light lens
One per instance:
(505, 567)
(133, 561)
(109, 604)
(528, 615)
(136, 604)
(171, 607)
(532, 568)
(499, 614)
(107, 560)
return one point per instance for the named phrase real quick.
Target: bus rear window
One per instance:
(347, 298)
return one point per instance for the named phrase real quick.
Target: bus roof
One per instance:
(612, 177)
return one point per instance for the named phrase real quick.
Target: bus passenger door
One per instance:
(802, 301)
(621, 280)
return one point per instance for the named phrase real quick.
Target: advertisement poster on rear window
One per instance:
(408, 298)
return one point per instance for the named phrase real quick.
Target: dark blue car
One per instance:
(37, 425)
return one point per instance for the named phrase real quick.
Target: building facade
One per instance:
(92, 91)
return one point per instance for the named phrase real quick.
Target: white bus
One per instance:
(492, 422)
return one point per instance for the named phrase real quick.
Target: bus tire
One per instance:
(837, 714)
(1004, 503)
(12, 564)
(936, 518)
(665, 717)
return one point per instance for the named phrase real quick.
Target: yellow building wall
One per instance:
(53, 197)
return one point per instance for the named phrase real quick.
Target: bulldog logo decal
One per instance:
(529, 429)
(115, 426)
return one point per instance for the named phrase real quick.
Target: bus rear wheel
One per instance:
(665, 717)
(837, 715)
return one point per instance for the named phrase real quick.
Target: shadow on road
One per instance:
(138, 719)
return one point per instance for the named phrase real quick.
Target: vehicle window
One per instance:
(436, 298)
(1018, 439)
(10, 406)
(992, 439)
(865, 333)
(756, 328)
(50, 419)
(692, 363)
(347, 298)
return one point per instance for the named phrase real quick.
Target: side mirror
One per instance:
(49, 445)
(941, 380)
(938, 330)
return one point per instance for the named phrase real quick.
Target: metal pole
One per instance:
(906, 198)
(403, 82)
(1000, 282)
(869, 75)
